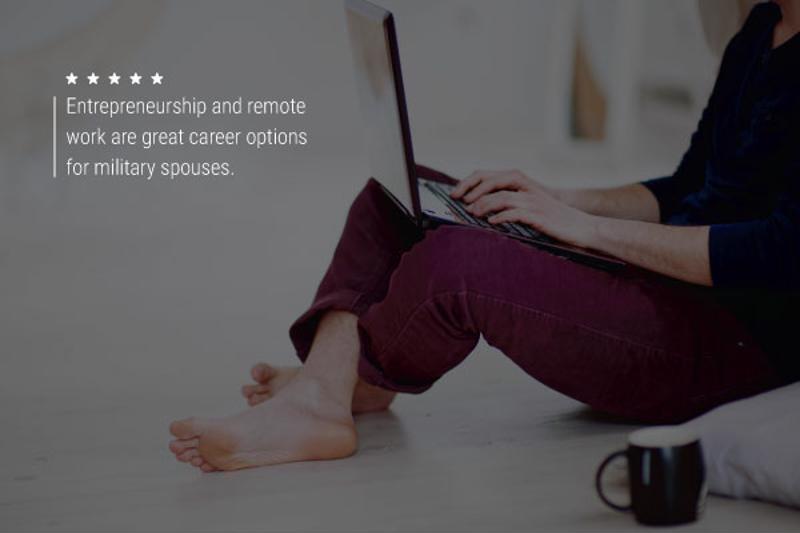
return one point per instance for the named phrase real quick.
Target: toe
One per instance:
(180, 446)
(187, 428)
(250, 390)
(196, 461)
(262, 372)
(256, 399)
(205, 467)
(188, 455)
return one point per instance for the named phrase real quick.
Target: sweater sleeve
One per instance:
(761, 253)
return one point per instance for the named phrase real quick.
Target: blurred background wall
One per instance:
(159, 282)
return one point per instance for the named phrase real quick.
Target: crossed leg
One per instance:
(401, 310)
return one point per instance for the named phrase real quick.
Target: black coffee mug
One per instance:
(666, 476)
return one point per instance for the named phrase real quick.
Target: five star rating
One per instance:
(114, 79)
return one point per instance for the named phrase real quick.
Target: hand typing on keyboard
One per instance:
(511, 197)
(459, 209)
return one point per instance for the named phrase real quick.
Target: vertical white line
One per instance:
(55, 140)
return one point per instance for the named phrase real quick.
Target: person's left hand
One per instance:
(538, 209)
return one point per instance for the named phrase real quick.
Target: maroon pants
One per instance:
(628, 343)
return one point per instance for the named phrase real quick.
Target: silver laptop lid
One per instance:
(380, 88)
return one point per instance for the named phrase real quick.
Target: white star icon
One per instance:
(156, 78)
(113, 79)
(92, 78)
(135, 79)
(72, 79)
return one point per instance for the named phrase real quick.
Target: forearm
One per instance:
(632, 202)
(599, 219)
(679, 252)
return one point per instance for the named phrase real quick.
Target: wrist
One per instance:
(562, 195)
(593, 229)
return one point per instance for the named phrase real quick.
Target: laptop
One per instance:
(380, 86)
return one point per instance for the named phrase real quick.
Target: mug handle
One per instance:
(598, 481)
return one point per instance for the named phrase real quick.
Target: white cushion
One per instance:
(752, 447)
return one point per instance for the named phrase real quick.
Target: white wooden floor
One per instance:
(486, 450)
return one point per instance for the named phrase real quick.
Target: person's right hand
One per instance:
(483, 182)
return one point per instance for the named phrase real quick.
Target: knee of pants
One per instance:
(377, 223)
(368, 201)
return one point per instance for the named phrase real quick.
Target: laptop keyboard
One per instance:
(442, 191)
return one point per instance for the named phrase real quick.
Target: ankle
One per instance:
(322, 394)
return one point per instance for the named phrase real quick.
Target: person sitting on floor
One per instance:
(704, 314)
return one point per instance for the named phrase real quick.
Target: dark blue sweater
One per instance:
(741, 176)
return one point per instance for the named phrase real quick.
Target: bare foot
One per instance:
(270, 379)
(302, 422)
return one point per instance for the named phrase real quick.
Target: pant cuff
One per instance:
(370, 370)
(373, 375)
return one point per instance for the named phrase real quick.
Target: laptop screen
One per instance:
(380, 89)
